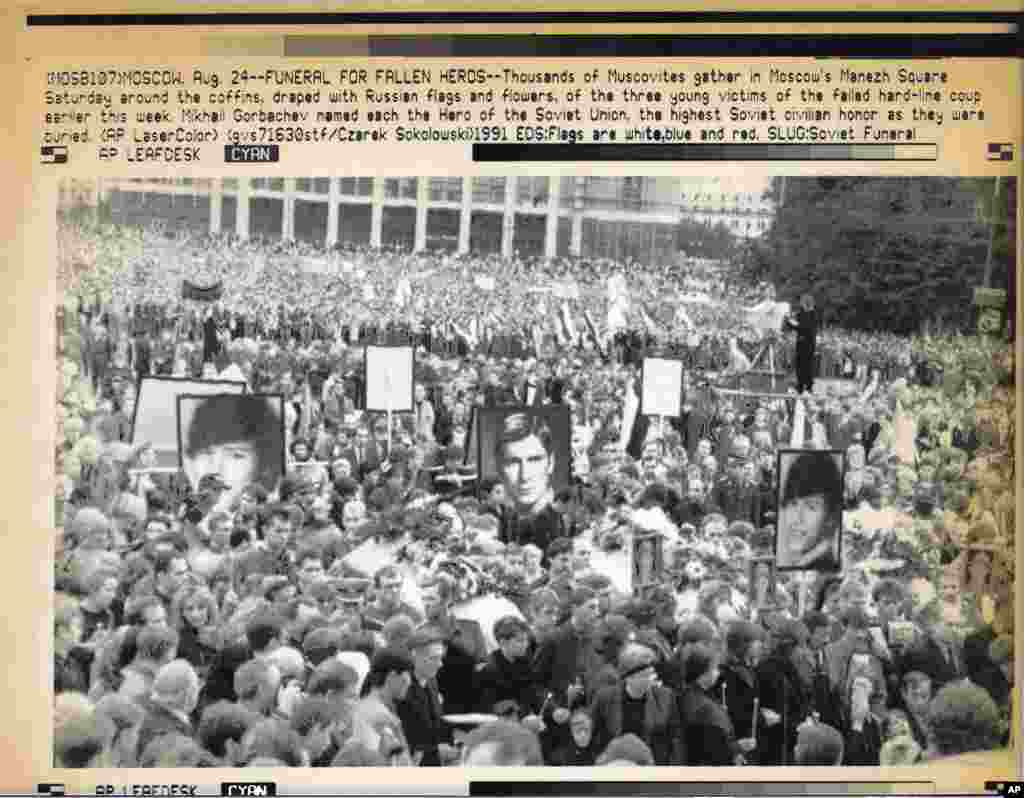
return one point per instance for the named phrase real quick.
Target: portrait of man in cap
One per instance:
(810, 501)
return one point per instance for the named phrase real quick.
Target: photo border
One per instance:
(284, 427)
(366, 382)
(778, 512)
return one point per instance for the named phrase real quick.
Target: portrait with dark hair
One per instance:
(230, 442)
(810, 518)
(529, 449)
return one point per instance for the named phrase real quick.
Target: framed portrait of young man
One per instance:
(238, 439)
(648, 562)
(809, 523)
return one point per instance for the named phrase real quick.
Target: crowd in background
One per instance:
(193, 633)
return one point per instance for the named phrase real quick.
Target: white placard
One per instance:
(156, 412)
(389, 378)
(484, 283)
(662, 390)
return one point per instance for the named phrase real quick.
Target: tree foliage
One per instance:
(700, 240)
(885, 253)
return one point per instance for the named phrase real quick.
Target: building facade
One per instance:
(622, 218)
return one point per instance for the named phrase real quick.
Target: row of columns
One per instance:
(377, 203)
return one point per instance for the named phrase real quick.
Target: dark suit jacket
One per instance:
(420, 713)
(561, 658)
(710, 737)
(456, 680)
(663, 731)
(501, 680)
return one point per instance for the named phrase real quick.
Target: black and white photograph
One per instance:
(233, 441)
(155, 420)
(421, 493)
(810, 516)
(527, 449)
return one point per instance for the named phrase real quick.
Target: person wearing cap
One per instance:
(810, 514)
(640, 706)
(421, 710)
(525, 455)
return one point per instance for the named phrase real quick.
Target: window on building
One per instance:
(400, 188)
(356, 186)
(488, 190)
(445, 189)
(632, 194)
(532, 191)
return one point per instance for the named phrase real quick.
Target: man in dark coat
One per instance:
(710, 737)
(805, 324)
(421, 710)
(781, 692)
(465, 649)
(507, 675)
(639, 706)
(737, 681)
(562, 660)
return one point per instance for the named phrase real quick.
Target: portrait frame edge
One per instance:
(779, 567)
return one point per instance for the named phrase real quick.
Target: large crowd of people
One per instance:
(233, 623)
